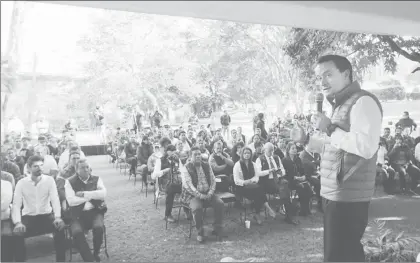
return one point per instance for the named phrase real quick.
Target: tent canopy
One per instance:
(381, 17)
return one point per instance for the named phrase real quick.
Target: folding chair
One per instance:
(69, 237)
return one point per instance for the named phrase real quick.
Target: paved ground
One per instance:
(136, 231)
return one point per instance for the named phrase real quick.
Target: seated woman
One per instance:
(296, 177)
(236, 151)
(246, 179)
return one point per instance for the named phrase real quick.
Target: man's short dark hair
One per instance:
(387, 128)
(342, 63)
(406, 112)
(33, 159)
(165, 141)
(182, 132)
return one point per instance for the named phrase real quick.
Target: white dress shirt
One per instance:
(417, 152)
(74, 200)
(365, 130)
(238, 176)
(36, 198)
(382, 153)
(158, 172)
(6, 199)
(267, 172)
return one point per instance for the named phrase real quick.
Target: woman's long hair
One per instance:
(242, 154)
(289, 145)
(235, 149)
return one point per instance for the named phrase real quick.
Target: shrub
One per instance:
(383, 246)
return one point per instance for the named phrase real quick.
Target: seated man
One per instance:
(68, 171)
(18, 160)
(167, 169)
(85, 194)
(310, 163)
(38, 196)
(130, 150)
(6, 224)
(269, 167)
(220, 162)
(10, 167)
(198, 186)
(401, 159)
(64, 157)
(144, 151)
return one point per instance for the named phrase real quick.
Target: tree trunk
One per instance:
(32, 95)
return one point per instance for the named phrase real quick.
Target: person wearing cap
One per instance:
(144, 151)
(168, 172)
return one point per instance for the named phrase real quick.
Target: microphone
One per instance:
(319, 99)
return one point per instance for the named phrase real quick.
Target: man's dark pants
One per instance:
(38, 225)
(344, 226)
(92, 219)
(171, 191)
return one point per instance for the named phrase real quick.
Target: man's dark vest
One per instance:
(92, 185)
(192, 170)
(265, 166)
(336, 163)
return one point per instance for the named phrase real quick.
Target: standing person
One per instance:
(99, 119)
(137, 123)
(406, 122)
(225, 121)
(261, 126)
(348, 162)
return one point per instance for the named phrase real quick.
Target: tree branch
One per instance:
(413, 56)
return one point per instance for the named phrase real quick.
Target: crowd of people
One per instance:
(49, 186)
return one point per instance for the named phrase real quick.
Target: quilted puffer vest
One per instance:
(336, 163)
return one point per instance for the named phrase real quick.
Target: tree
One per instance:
(135, 59)
(245, 61)
(10, 59)
(305, 46)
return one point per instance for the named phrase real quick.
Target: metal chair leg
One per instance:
(105, 243)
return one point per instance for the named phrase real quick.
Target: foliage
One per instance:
(382, 245)
(305, 46)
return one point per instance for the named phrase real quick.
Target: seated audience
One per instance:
(198, 187)
(85, 194)
(246, 180)
(296, 177)
(68, 171)
(270, 170)
(41, 212)
(167, 170)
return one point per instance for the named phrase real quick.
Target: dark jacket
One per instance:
(144, 151)
(310, 164)
(261, 126)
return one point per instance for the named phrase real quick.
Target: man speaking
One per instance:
(348, 159)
